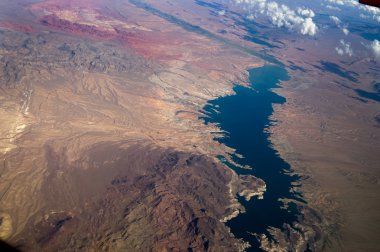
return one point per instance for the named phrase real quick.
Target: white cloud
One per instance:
(338, 23)
(371, 10)
(338, 2)
(344, 48)
(221, 12)
(300, 20)
(333, 7)
(251, 17)
(368, 10)
(335, 19)
(309, 27)
(339, 51)
(306, 12)
(376, 48)
(345, 31)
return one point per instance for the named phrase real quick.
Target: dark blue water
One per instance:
(245, 116)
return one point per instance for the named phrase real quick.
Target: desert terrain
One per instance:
(103, 148)
(101, 143)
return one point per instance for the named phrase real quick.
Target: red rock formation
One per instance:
(80, 29)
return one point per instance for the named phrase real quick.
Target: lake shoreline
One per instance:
(246, 116)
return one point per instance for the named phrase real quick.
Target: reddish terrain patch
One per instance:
(80, 29)
(57, 5)
(16, 27)
(151, 45)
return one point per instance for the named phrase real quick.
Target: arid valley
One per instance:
(104, 145)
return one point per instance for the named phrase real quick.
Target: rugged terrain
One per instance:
(102, 147)
(101, 143)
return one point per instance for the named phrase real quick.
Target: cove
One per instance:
(245, 116)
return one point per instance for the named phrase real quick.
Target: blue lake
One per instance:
(245, 116)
